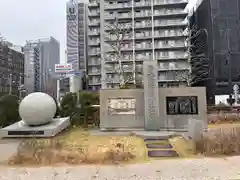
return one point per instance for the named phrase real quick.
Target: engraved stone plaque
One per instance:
(120, 106)
(182, 105)
(151, 94)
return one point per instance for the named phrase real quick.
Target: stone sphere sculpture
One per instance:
(37, 109)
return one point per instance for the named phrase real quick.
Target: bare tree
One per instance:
(1, 38)
(198, 62)
(118, 35)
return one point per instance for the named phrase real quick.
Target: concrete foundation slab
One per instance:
(155, 134)
(20, 129)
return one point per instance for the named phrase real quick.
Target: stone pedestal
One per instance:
(21, 129)
(195, 129)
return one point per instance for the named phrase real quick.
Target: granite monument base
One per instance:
(20, 129)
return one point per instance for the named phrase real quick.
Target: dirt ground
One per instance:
(177, 169)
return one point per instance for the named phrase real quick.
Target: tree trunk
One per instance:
(85, 124)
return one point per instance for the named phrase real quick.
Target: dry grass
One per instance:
(182, 146)
(224, 118)
(78, 147)
(224, 140)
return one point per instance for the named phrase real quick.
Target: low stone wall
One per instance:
(178, 122)
(126, 120)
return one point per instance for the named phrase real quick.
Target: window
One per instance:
(165, 54)
(71, 10)
(165, 42)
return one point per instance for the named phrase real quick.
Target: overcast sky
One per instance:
(22, 20)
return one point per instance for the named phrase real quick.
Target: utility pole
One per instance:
(20, 87)
(10, 83)
(229, 62)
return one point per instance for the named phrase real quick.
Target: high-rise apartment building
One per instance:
(32, 68)
(77, 34)
(77, 42)
(220, 22)
(11, 69)
(41, 56)
(154, 32)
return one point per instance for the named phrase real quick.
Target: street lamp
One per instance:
(10, 83)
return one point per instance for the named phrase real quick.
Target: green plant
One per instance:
(58, 111)
(86, 100)
(9, 105)
(68, 105)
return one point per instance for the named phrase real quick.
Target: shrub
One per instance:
(9, 105)
(86, 100)
(58, 112)
(68, 105)
(220, 141)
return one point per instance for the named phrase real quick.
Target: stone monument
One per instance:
(37, 111)
(151, 98)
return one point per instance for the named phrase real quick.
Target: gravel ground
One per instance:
(178, 169)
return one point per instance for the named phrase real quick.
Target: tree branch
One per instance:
(117, 35)
(199, 64)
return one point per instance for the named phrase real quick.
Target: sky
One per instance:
(22, 20)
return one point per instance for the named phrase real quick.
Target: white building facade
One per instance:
(156, 33)
(76, 15)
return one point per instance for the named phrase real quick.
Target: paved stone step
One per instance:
(156, 139)
(162, 153)
(159, 146)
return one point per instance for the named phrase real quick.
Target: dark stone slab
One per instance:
(163, 153)
(159, 146)
(156, 139)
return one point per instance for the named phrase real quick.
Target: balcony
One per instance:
(163, 35)
(167, 13)
(170, 46)
(93, 4)
(166, 78)
(167, 23)
(115, 69)
(110, 80)
(166, 58)
(94, 43)
(94, 53)
(94, 82)
(94, 23)
(143, 15)
(115, 61)
(121, 16)
(93, 33)
(94, 63)
(128, 5)
(116, 6)
(93, 14)
(176, 3)
(94, 72)
(142, 4)
(173, 69)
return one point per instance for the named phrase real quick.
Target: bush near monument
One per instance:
(68, 105)
(86, 100)
(58, 111)
(9, 105)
